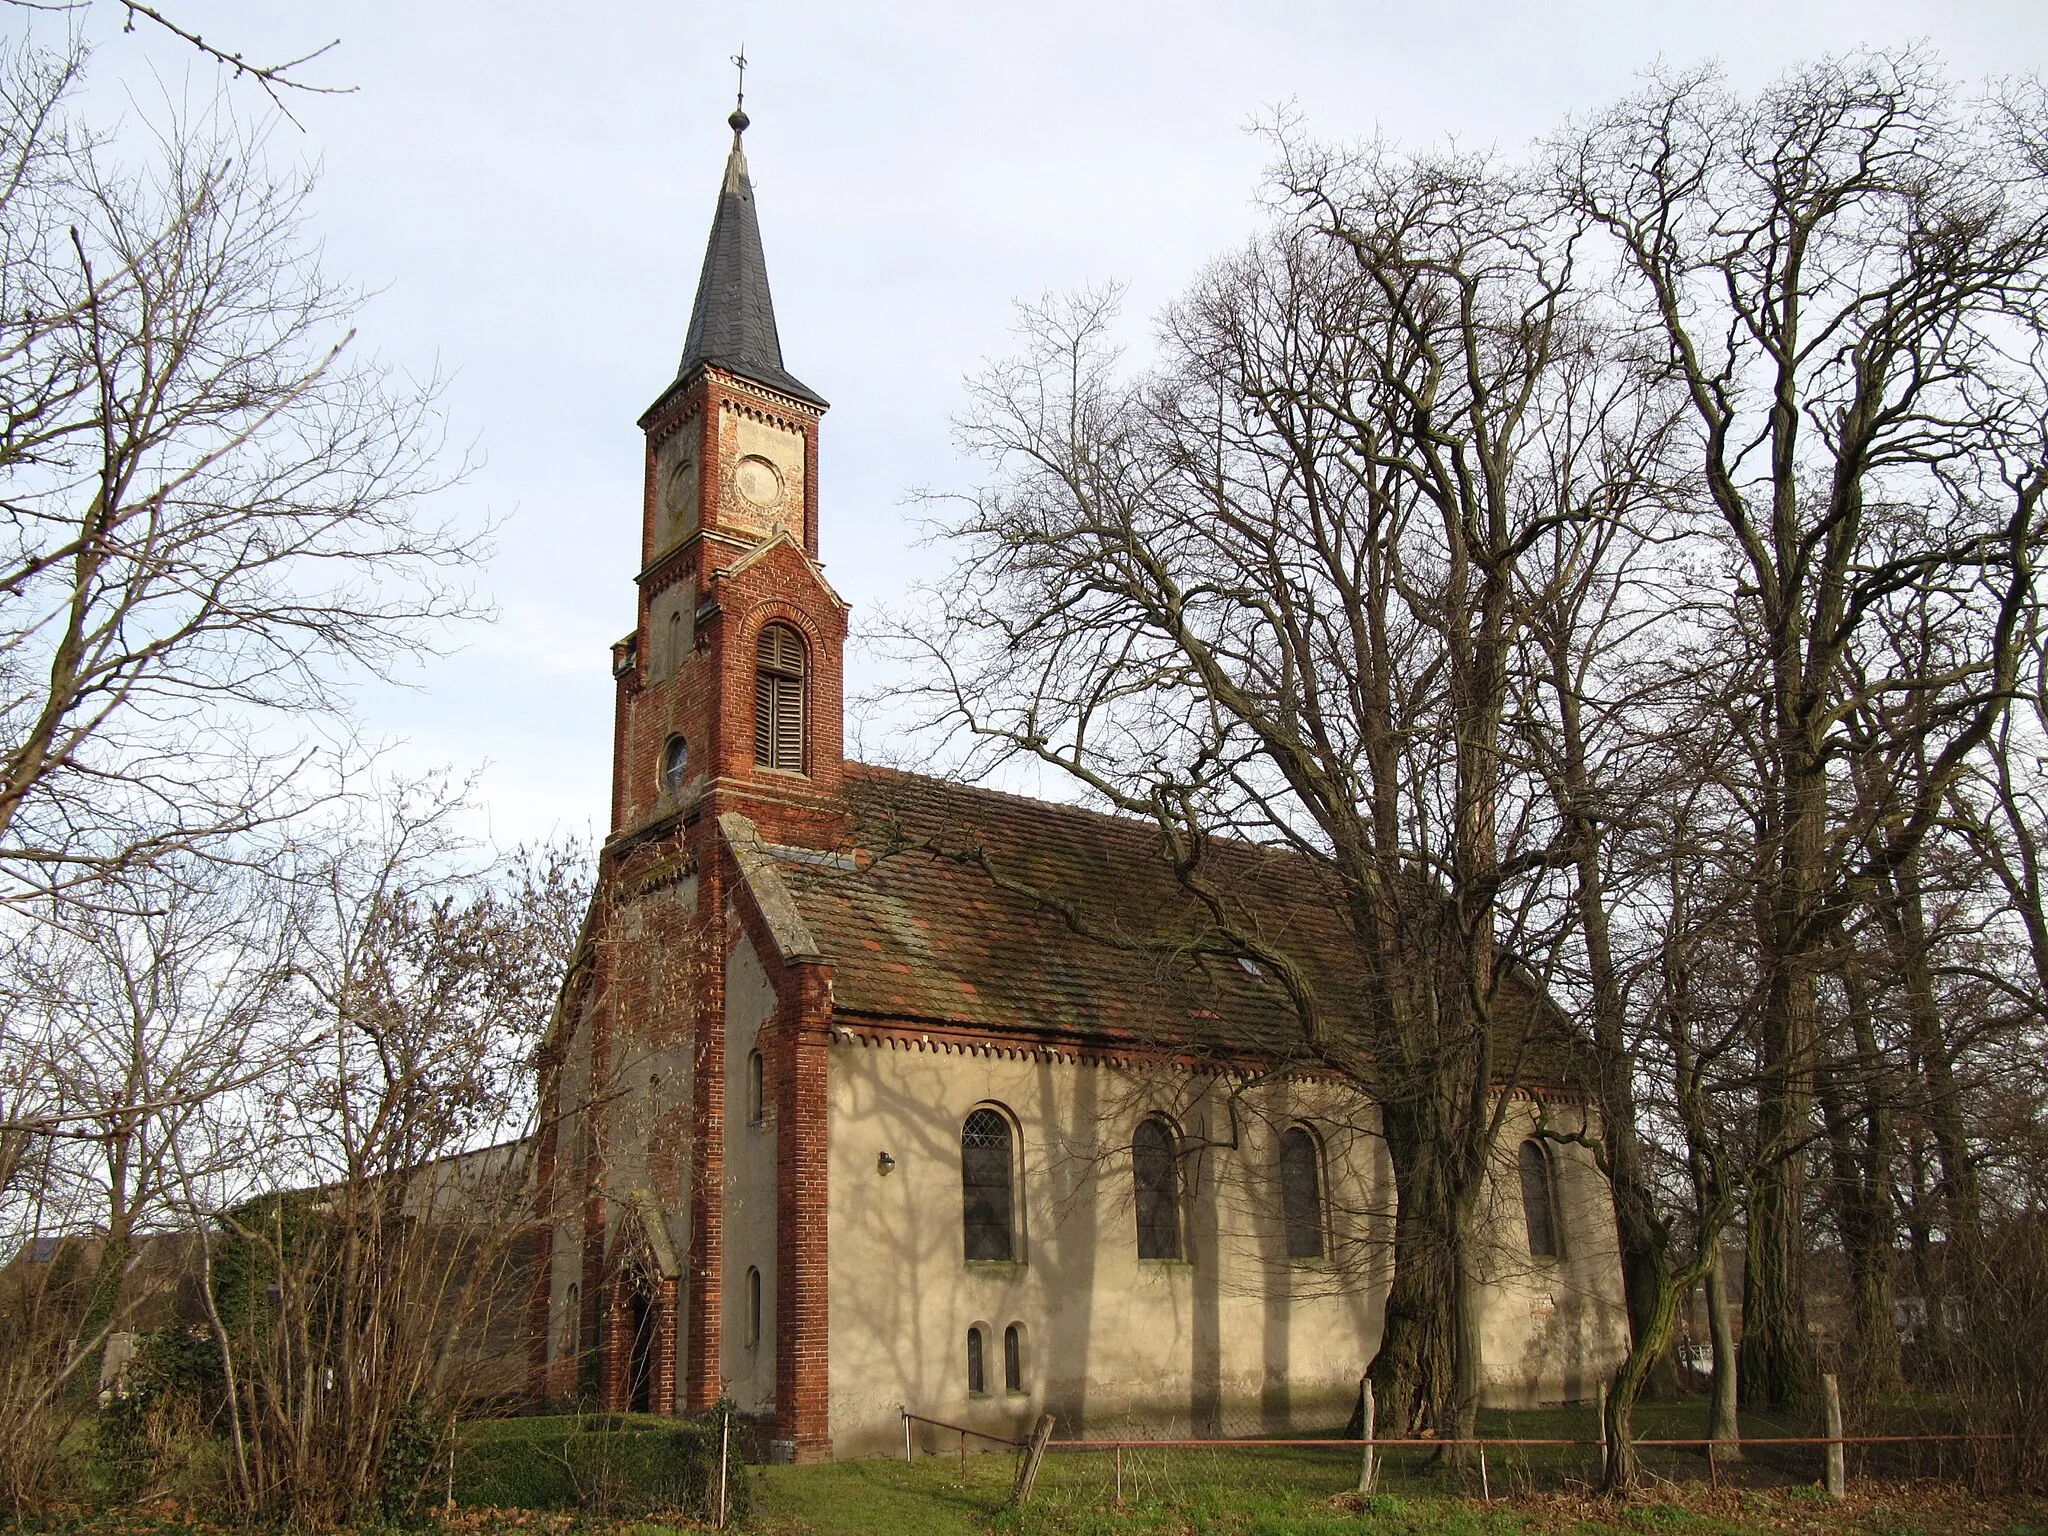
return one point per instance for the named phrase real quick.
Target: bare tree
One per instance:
(1843, 276)
(1269, 591)
(209, 506)
(139, 1023)
(369, 1276)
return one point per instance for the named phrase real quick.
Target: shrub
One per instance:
(607, 1465)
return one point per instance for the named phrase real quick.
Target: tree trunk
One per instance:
(1859, 1157)
(1777, 1352)
(1624, 1467)
(1412, 1373)
(1724, 1425)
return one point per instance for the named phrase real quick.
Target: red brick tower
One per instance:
(727, 736)
(729, 549)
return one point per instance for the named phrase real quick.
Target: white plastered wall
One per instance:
(1233, 1339)
(1238, 1340)
(1553, 1327)
(748, 1367)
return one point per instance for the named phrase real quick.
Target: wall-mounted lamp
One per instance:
(884, 1163)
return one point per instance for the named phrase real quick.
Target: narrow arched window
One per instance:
(757, 1105)
(1301, 1193)
(985, 1173)
(779, 699)
(753, 1307)
(1539, 1200)
(977, 1377)
(1013, 1359)
(675, 641)
(572, 1324)
(1158, 1190)
(675, 762)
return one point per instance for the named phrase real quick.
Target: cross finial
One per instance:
(738, 120)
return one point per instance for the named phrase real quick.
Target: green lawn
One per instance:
(1305, 1492)
(1211, 1498)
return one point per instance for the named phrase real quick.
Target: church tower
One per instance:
(729, 687)
(665, 1145)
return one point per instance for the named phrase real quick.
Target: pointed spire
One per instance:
(732, 325)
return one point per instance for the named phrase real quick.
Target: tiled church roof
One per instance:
(917, 928)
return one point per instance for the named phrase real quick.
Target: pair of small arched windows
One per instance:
(977, 1360)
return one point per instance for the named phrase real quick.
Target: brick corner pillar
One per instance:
(703, 1289)
(803, 1334)
(663, 1389)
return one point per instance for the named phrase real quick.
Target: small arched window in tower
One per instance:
(779, 699)
(985, 1185)
(675, 762)
(1539, 1200)
(757, 1099)
(1158, 1190)
(675, 641)
(1013, 1359)
(977, 1372)
(1301, 1193)
(753, 1307)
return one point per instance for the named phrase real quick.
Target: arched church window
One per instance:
(1013, 1359)
(675, 761)
(1158, 1190)
(1301, 1193)
(985, 1194)
(753, 1307)
(757, 1098)
(779, 699)
(1539, 1199)
(977, 1371)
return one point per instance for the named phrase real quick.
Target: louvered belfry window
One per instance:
(779, 699)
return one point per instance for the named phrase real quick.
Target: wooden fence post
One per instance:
(1367, 1472)
(1606, 1450)
(1838, 1471)
(1027, 1475)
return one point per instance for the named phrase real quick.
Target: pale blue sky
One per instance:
(529, 187)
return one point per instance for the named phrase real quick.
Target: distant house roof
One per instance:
(955, 906)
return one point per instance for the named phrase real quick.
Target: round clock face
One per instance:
(757, 482)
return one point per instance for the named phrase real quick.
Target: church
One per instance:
(854, 1104)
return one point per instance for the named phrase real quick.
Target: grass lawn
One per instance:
(1536, 1491)
(930, 1499)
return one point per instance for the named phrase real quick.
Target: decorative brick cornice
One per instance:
(950, 1039)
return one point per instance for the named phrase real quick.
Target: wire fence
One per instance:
(1097, 1471)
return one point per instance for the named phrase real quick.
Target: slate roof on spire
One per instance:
(733, 324)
